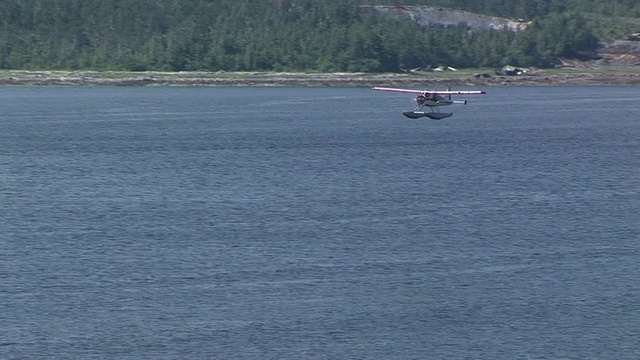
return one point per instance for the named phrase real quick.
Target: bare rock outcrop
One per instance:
(436, 16)
(620, 53)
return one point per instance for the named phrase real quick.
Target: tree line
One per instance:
(284, 35)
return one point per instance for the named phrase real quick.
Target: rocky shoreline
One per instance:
(117, 78)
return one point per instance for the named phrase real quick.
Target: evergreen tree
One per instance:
(299, 35)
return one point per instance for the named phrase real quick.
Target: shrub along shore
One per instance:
(475, 77)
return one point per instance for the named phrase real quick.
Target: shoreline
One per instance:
(466, 78)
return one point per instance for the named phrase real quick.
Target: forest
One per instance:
(296, 35)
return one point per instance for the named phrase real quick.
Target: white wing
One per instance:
(445, 92)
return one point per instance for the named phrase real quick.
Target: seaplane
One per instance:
(433, 100)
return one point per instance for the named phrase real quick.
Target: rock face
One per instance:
(433, 16)
(620, 53)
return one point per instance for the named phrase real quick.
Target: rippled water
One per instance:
(304, 223)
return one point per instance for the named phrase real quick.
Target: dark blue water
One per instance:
(302, 223)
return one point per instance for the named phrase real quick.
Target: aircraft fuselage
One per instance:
(433, 100)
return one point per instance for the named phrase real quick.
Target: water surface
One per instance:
(318, 223)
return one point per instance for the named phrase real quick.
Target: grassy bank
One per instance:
(466, 77)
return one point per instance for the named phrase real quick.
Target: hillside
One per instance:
(307, 35)
(616, 53)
